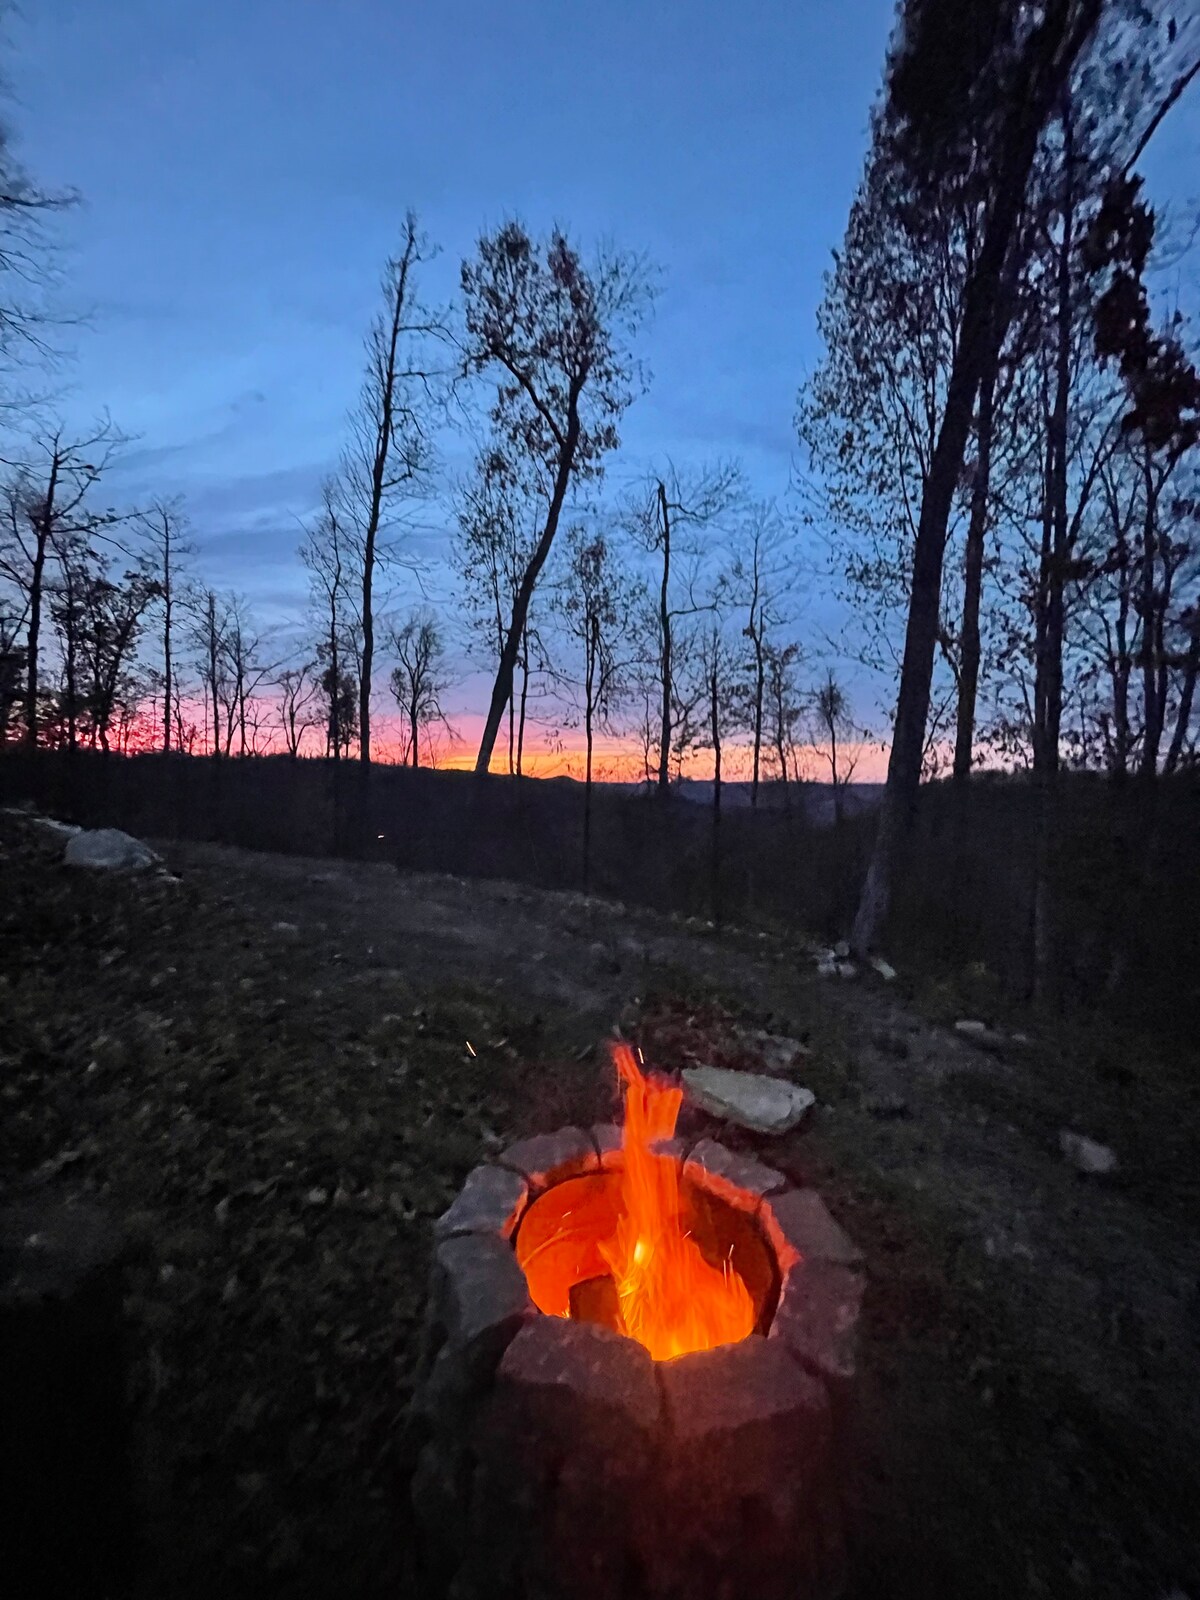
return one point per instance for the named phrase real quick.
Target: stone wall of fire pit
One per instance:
(554, 1457)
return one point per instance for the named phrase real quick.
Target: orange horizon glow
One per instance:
(613, 760)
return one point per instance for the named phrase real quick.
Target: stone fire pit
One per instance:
(555, 1457)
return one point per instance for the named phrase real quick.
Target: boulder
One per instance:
(884, 968)
(110, 849)
(749, 1099)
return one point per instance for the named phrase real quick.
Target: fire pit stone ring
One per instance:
(555, 1457)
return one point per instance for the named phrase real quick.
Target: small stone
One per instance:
(1087, 1155)
(801, 1229)
(316, 1197)
(884, 968)
(286, 927)
(740, 1180)
(847, 969)
(749, 1099)
(490, 1201)
(548, 1158)
(841, 949)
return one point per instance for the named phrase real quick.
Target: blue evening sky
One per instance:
(246, 165)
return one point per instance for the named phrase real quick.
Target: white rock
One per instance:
(765, 1105)
(827, 969)
(847, 969)
(980, 1034)
(841, 949)
(1086, 1154)
(65, 830)
(109, 848)
(884, 968)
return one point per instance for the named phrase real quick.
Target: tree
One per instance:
(326, 553)
(668, 503)
(164, 527)
(389, 453)
(760, 577)
(295, 705)
(595, 601)
(495, 543)
(831, 713)
(418, 680)
(113, 615)
(45, 504)
(553, 330)
(969, 94)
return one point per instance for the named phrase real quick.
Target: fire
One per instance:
(671, 1299)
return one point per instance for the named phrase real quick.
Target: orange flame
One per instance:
(672, 1300)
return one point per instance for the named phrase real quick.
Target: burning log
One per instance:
(637, 1374)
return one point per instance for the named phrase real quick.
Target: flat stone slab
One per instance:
(800, 1229)
(749, 1099)
(817, 1319)
(478, 1288)
(980, 1035)
(737, 1179)
(548, 1158)
(490, 1201)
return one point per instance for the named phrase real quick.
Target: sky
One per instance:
(246, 165)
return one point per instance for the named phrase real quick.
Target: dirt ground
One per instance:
(278, 1071)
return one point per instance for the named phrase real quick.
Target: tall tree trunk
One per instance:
(42, 532)
(664, 627)
(1187, 694)
(968, 671)
(503, 686)
(588, 719)
(1120, 671)
(715, 864)
(1055, 554)
(759, 685)
(168, 684)
(524, 703)
(1151, 718)
(414, 727)
(212, 672)
(1018, 142)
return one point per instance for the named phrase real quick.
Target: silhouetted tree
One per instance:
(553, 330)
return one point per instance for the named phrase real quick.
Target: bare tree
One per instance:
(670, 505)
(296, 705)
(760, 578)
(831, 713)
(551, 328)
(46, 503)
(165, 537)
(390, 450)
(596, 602)
(327, 554)
(418, 680)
